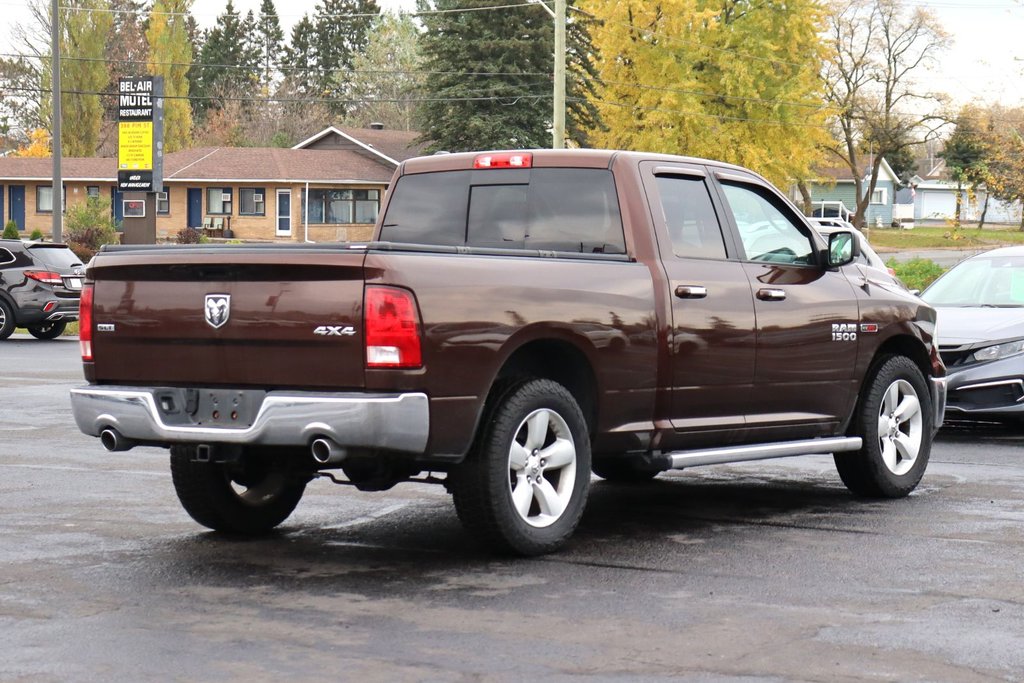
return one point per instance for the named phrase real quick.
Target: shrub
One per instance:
(11, 231)
(917, 273)
(88, 226)
(189, 236)
(36, 235)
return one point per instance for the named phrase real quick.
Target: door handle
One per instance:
(769, 294)
(691, 291)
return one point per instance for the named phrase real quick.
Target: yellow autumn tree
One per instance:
(38, 146)
(170, 53)
(734, 80)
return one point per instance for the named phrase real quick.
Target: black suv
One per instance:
(40, 284)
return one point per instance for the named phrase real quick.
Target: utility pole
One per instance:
(57, 204)
(558, 125)
(558, 110)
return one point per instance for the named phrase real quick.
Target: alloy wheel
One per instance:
(542, 468)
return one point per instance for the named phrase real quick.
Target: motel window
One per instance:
(252, 201)
(92, 191)
(342, 206)
(44, 199)
(218, 201)
(163, 203)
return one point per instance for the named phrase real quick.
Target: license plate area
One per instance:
(73, 282)
(223, 408)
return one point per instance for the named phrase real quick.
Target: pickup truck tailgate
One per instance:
(293, 317)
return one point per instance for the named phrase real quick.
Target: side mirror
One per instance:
(842, 248)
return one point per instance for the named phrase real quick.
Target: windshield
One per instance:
(985, 282)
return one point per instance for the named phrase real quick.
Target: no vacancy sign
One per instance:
(140, 119)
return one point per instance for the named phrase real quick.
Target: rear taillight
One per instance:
(47, 276)
(85, 323)
(504, 160)
(392, 326)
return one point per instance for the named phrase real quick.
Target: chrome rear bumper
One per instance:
(392, 422)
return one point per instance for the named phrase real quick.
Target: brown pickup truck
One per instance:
(520, 320)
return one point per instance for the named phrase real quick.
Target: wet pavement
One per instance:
(764, 571)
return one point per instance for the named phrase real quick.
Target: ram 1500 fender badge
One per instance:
(217, 309)
(844, 331)
(335, 331)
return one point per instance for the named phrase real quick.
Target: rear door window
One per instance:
(690, 217)
(554, 209)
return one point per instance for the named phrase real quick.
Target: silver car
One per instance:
(980, 305)
(868, 257)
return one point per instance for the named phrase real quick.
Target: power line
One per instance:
(720, 117)
(425, 72)
(368, 15)
(643, 86)
(308, 100)
(200, 65)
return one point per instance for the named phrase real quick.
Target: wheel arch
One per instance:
(905, 345)
(9, 300)
(558, 360)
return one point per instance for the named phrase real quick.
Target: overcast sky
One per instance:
(984, 64)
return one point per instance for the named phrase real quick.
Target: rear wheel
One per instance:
(895, 422)
(6, 320)
(249, 497)
(47, 330)
(524, 487)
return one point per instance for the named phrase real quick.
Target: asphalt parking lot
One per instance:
(765, 571)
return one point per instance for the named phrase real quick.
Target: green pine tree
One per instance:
(340, 32)
(490, 77)
(300, 59)
(268, 40)
(229, 62)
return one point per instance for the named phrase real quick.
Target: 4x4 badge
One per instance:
(217, 309)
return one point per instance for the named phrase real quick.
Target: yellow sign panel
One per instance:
(135, 146)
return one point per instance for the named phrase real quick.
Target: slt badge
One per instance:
(217, 309)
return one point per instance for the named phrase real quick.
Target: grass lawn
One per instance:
(942, 236)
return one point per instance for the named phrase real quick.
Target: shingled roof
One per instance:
(274, 163)
(361, 155)
(841, 173)
(392, 146)
(76, 168)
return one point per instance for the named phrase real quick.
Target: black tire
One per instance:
(47, 330)
(207, 492)
(622, 470)
(488, 487)
(6, 320)
(897, 437)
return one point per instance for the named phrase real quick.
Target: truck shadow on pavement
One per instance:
(412, 548)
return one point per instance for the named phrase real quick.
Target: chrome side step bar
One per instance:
(716, 456)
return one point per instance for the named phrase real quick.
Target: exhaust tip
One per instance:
(326, 452)
(112, 441)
